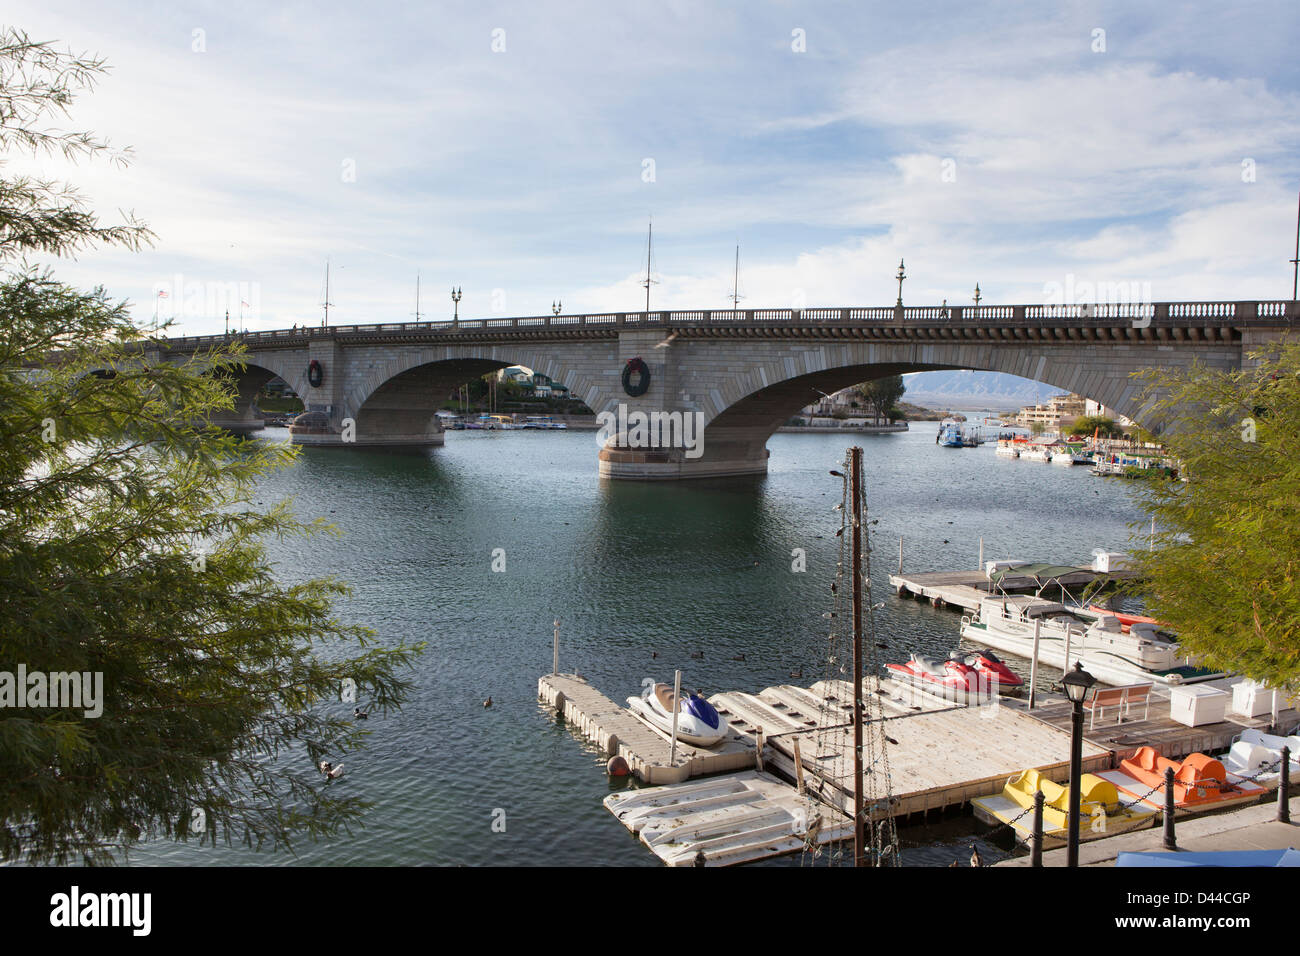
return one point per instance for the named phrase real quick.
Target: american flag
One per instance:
(162, 294)
(244, 304)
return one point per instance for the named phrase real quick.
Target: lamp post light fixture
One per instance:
(556, 307)
(455, 299)
(1077, 683)
(977, 300)
(901, 276)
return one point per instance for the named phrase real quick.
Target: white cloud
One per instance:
(521, 171)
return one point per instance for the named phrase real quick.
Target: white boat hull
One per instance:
(1107, 666)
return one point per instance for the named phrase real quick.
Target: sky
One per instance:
(519, 151)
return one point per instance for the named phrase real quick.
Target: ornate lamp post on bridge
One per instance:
(556, 307)
(901, 276)
(1077, 684)
(455, 300)
(977, 300)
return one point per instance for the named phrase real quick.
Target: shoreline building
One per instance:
(1060, 411)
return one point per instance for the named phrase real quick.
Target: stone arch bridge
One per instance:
(740, 374)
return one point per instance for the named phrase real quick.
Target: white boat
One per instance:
(1100, 643)
(544, 422)
(951, 434)
(1253, 750)
(698, 722)
(1034, 452)
(1008, 448)
(1062, 456)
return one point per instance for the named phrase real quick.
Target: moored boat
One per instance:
(698, 722)
(1258, 755)
(951, 434)
(1200, 782)
(1102, 811)
(1125, 619)
(1107, 650)
(961, 678)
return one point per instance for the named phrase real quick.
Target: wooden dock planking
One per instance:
(945, 755)
(1170, 738)
(965, 589)
(942, 758)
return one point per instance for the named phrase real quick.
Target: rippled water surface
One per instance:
(629, 569)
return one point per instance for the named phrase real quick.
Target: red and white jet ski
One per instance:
(980, 674)
(988, 664)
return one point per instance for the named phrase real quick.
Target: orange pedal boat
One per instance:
(1200, 782)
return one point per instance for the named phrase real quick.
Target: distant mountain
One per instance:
(968, 389)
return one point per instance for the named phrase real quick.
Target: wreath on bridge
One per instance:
(636, 367)
(315, 374)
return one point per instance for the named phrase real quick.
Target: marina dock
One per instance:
(965, 589)
(799, 742)
(783, 778)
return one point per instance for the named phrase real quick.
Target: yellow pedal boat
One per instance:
(1102, 812)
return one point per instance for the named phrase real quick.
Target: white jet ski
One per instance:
(698, 723)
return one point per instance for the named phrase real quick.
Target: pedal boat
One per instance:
(1258, 755)
(1200, 782)
(1102, 809)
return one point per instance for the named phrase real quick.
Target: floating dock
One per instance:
(939, 755)
(783, 779)
(726, 820)
(965, 589)
(648, 752)
(935, 759)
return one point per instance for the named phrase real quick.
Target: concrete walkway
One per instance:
(1253, 828)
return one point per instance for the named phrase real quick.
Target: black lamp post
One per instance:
(455, 299)
(556, 307)
(1077, 684)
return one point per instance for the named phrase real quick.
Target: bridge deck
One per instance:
(1114, 320)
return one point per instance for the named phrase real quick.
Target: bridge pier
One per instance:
(373, 432)
(242, 419)
(723, 456)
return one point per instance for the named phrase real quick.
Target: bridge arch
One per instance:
(393, 398)
(742, 408)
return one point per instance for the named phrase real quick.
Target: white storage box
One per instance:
(1104, 562)
(1251, 700)
(1197, 705)
(993, 567)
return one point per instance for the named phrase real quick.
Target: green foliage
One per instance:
(129, 548)
(882, 394)
(1225, 572)
(1103, 426)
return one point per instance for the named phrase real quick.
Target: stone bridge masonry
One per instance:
(744, 372)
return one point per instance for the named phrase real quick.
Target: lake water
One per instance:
(629, 569)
